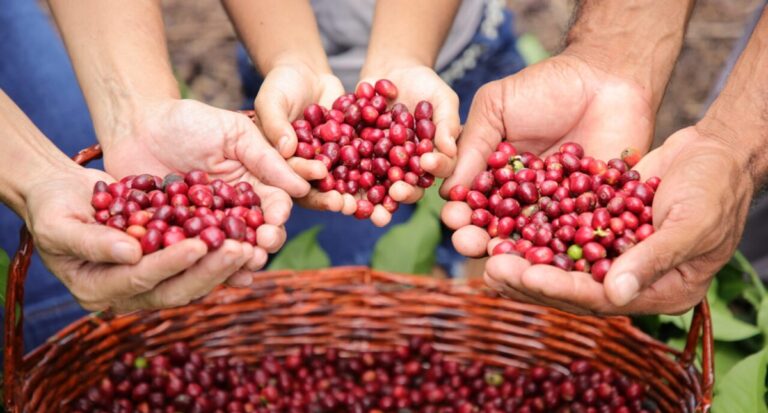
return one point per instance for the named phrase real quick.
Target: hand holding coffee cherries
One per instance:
(104, 268)
(177, 136)
(369, 148)
(417, 83)
(562, 99)
(288, 88)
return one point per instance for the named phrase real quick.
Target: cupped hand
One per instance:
(416, 82)
(699, 212)
(181, 135)
(103, 267)
(558, 100)
(287, 89)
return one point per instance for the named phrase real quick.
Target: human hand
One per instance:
(699, 212)
(288, 88)
(558, 100)
(416, 82)
(181, 135)
(104, 268)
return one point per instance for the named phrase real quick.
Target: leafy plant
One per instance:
(739, 306)
(303, 252)
(4, 263)
(410, 247)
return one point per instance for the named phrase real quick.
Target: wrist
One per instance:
(380, 66)
(638, 41)
(740, 136)
(127, 118)
(304, 62)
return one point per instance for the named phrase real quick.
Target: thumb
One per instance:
(267, 165)
(482, 132)
(98, 243)
(273, 116)
(652, 258)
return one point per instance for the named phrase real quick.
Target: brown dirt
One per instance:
(202, 50)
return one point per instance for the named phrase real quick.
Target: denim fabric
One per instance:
(499, 59)
(36, 73)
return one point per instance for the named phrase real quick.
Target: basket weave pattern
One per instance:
(353, 309)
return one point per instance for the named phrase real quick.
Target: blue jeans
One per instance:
(35, 72)
(499, 59)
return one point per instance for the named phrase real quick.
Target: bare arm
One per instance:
(410, 31)
(739, 116)
(276, 32)
(119, 53)
(639, 40)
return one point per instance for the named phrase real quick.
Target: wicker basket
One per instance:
(353, 309)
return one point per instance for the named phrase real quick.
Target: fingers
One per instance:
(482, 132)
(456, 214)
(240, 279)
(643, 264)
(270, 237)
(104, 283)
(407, 194)
(380, 217)
(272, 112)
(308, 169)
(447, 123)
(471, 241)
(195, 282)
(350, 204)
(275, 203)
(94, 243)
(437, 164)
(264, 162)
(323, 201)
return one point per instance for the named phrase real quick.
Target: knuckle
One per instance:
(140, 284)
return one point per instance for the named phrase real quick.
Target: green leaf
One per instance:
(409, 247)
(726, 356)
(682, 321)
(726, 327)
(742, 263)
(731, 282)
(677, 342)
(762, 317)
(432, 200)
(742, 390)
(531, 49)
(4, 263)
(302, 253)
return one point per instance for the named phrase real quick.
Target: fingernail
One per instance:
(281, 143)
(124, 252)
(626, 288)
(229, 260)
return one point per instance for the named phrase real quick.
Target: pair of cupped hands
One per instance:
(698, 221)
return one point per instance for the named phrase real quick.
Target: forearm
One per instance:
(278, 31)
(406, 31)
(739, 116)
(26, 156)
(638, 40)
(120, 56)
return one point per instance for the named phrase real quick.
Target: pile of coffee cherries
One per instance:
(568, 210)
(412, 378)
(368, 145)
(162, 212)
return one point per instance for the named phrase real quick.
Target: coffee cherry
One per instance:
(213, 237)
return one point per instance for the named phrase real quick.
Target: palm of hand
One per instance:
(180, 136)
(563, 99)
